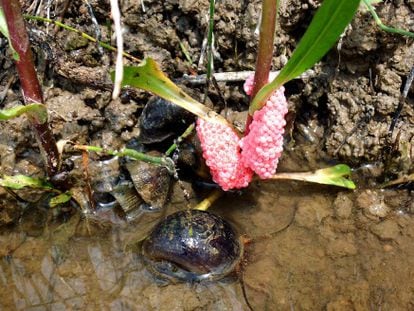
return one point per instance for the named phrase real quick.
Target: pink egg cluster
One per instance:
(249, 83)
(221, 150)
(263, 146)
(232, 160)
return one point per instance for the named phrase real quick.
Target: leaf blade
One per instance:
(334, 176)
(5, 32)
(60, 199)
(326, 27)
(149, 77)
(17, 182)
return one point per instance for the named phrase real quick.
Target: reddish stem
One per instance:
(265, 50)
(32, 92)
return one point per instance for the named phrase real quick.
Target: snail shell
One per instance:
(162, 119)
(152, 182)
(192, 245)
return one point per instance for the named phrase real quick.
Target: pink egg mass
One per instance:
(232, 160)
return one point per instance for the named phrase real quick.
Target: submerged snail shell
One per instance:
(192, 245)
(152, 182)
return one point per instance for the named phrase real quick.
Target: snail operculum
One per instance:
(192, 246)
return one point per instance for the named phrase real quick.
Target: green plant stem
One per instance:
(82, 34)
(32, 92)
(385, 27)
(163, 161)
(265, 50)
(37, 109)
(174, 146)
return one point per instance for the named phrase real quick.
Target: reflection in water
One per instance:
(98, 275)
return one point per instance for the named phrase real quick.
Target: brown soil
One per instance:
(314, 247)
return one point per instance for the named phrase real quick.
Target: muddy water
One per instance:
(314, 248)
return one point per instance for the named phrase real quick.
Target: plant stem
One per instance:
(385, 27)
(32, 92)
(184, 135)
(207, 202)
(265, 50)
(163, 161)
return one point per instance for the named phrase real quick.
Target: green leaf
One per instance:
(335, 176)
(21, 181)
(37, 110)
(3, 24)
(325, 29)
(60, 199)
(5, 31)
(149, 77)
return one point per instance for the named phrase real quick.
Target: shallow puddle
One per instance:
(313, 248)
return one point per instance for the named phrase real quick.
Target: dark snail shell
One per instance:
(192, 246)
(161, 119)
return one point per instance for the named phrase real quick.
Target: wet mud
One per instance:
(312, 247)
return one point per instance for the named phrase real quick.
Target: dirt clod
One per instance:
(386, 230)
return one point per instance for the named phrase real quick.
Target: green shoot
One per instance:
(186, 54)
(163, 161)
(18, 182)
(37, 110)
(5, 31)
(149, 77)
(371, 9)
(186, 133)
(334, 175)
(327, 25)
(3, 25)
(60, 199)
